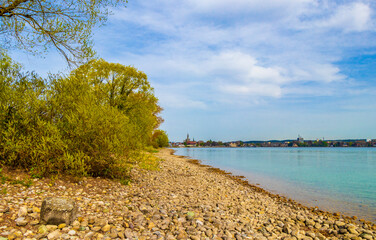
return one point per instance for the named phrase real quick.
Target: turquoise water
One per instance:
(334, 179)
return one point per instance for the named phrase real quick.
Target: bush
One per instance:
(96, 121)
(160, 139)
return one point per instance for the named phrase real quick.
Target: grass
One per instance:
(148, 161)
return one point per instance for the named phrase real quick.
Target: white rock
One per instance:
(21, 221)
(54, 235)
(22, 212)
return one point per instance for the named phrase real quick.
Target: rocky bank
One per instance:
(183, 200)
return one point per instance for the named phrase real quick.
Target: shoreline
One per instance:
(183, 200)
(300, 195)
(242, 180)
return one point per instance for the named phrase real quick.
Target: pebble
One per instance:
(21, 221)
(22, 212)
(106, 228)
(54, 235)
(180, 201)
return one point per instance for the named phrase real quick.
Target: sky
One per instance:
(248, 69)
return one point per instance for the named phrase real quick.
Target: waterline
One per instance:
(334, 179)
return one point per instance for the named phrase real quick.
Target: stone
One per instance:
(22, 212)
(310, 222)
(190, 215)
(34, 222)
(128, 233)
(151, 225)
(106, 228)
(36, 209)
(199, 223)
(12, 236)
(58, 210)
(317, 226)
(89, 235)
(195, 238)
(366, 236)
(51, 228)
(114, 233)
(42, 229)
(54, 235)
(76, 224)
(121, 235)
(4, 209)
(21, 221)
(101, 222)
(311, 234)
(286, 229)
(61, 226)
(182, 235)
(5, 233)
(340, 224)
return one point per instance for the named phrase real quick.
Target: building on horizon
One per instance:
(190, 143)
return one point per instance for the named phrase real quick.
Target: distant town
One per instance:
(299, 142)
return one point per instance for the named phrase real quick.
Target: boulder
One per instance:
(58, 210)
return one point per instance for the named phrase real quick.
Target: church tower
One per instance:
(187, 140)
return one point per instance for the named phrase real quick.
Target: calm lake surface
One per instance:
(334, 179)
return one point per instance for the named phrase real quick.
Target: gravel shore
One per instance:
(183, 200)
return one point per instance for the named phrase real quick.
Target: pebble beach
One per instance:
(183, 200)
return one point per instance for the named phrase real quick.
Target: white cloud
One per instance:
(239, 6)
(253, 89)
(239, 73)
(353, 17)
(317, 72)
(246, 48)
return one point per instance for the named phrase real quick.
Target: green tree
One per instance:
(37, 25)
(27, 138)
(76, 124)
(160, 139)
(127, 89)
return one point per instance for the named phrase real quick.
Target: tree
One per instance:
(65, 25)
(127, 89)
(76, 124)
(160, 139)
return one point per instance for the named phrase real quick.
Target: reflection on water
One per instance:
(334, 179)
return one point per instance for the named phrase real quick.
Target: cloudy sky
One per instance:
(249, 69)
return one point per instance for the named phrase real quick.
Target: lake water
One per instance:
(334, 179)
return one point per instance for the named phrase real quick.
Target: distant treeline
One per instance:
(95, 121)
(284, 143)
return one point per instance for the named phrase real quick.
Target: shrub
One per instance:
(160, 139)
(96, 121)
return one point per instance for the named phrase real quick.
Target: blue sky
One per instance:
(248, 69)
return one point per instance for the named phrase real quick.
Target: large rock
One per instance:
(58, 210)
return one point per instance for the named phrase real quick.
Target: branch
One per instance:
(34, 24)
(11, 7)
